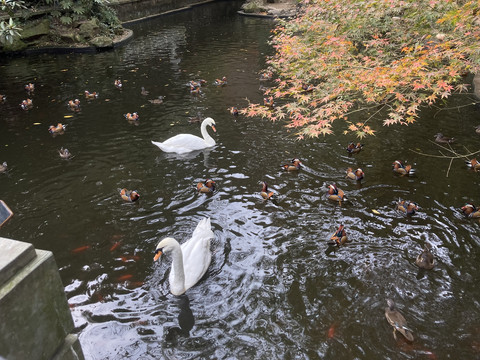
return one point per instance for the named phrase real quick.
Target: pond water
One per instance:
(275, 288)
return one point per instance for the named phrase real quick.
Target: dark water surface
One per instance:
(274, 289)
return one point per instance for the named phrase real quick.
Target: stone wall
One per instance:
(135, 10)
(35, 319)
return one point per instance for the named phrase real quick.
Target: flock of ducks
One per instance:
(191, 260)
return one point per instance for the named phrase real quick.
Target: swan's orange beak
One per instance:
(158, 253)
(213, 127)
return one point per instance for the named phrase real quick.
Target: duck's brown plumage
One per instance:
(425, 259)
(397, 320)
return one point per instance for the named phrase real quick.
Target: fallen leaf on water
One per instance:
(37, 123)
(375, 212)
(63, 70)
(67, 116)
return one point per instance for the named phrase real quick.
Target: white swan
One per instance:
(183, 143)
(189, 261)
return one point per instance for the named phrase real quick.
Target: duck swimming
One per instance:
(355, 175)
(26, 104)
(353, 148)
(64, 153)
(118, 84)
(397, 320)
(131, 116)
(407, 207)
(183, 143)
(3, 167)
(268, 101)
(56, 129)
(221, 82)
(402, 169)
(74, 105)
(340, 236)
(469, 210)
(157, 101)
(191, 260)
(3, 97)
(234, 111)
(207, 187)
(89, 95)
(473, 164)
(30, 87)
(129, 195)
(335, 194)
(425, 259)
(295, 165)
(265, 193)
(441, 139)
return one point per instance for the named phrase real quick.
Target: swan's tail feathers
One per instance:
(159, 144)
(204, 229)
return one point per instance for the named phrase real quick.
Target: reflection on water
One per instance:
(274, 289)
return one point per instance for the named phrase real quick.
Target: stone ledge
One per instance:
(117, 41)
(14, 255)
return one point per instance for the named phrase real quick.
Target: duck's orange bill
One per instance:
(213, 127)
(157, 256)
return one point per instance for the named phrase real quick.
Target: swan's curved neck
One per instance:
(178, 284)
(206, 136)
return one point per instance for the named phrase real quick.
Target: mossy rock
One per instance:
(17, 45)
(35, 30)
(89, 29)
(101, 42)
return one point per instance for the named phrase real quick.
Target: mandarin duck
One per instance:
(425, 259)
(89, 95)
(307, 87)
(74, 105)
(118, 84)
(131, 116)
(221, 82)
(335, 194)
(3, 167)
(56, 129)
(265, 193)
(355, 175)
(268, 101)
(441, 139)
(353, 148)
(195, 90)
(3, 97)
(129, 195)
(397, 320)
(30, 88)
(473, 164)
(157, 101)
(407, 207)
(207, 187)
(64, 153)
(340, 236)
(144, 92)
(469, 210)
(402, 169)
(294, 166)
(234, 111)
(26, 104)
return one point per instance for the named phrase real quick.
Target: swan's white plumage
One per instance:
(190, 260)
(183, 143)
